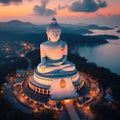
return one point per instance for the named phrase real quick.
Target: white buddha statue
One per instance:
(55, 73)
(54, 52)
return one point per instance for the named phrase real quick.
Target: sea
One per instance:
(107, 55)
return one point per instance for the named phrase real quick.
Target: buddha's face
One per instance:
(54, 35)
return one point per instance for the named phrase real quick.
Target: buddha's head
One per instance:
(53, 31)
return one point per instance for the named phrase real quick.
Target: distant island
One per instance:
(93, 26)
(105, 36)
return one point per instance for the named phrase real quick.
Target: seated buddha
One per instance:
(54, 52)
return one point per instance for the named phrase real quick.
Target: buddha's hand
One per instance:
(58, 63)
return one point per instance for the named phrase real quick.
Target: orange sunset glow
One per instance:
(38, 11)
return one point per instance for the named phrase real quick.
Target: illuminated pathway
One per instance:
(71, 110)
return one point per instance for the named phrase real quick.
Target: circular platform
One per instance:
(57, 86)
(28, 97)
(43, 96)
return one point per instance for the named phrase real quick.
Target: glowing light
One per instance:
(21, 99)
(11, 78)
(67, 101)
(87, 108)
(93, 93)
(22, 55)
(36, 110)
(1, 91)
(7, 49)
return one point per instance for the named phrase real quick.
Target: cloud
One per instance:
(87, 5)
(7, 2)
(42, 10)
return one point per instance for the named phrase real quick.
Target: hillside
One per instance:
(27, 27)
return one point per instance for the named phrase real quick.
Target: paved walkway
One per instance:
(71, 111)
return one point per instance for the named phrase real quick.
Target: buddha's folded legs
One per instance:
(70, 66)
(67, 66)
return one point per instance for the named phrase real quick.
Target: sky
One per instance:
(103, 12)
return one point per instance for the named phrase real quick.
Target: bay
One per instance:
(107, 55)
